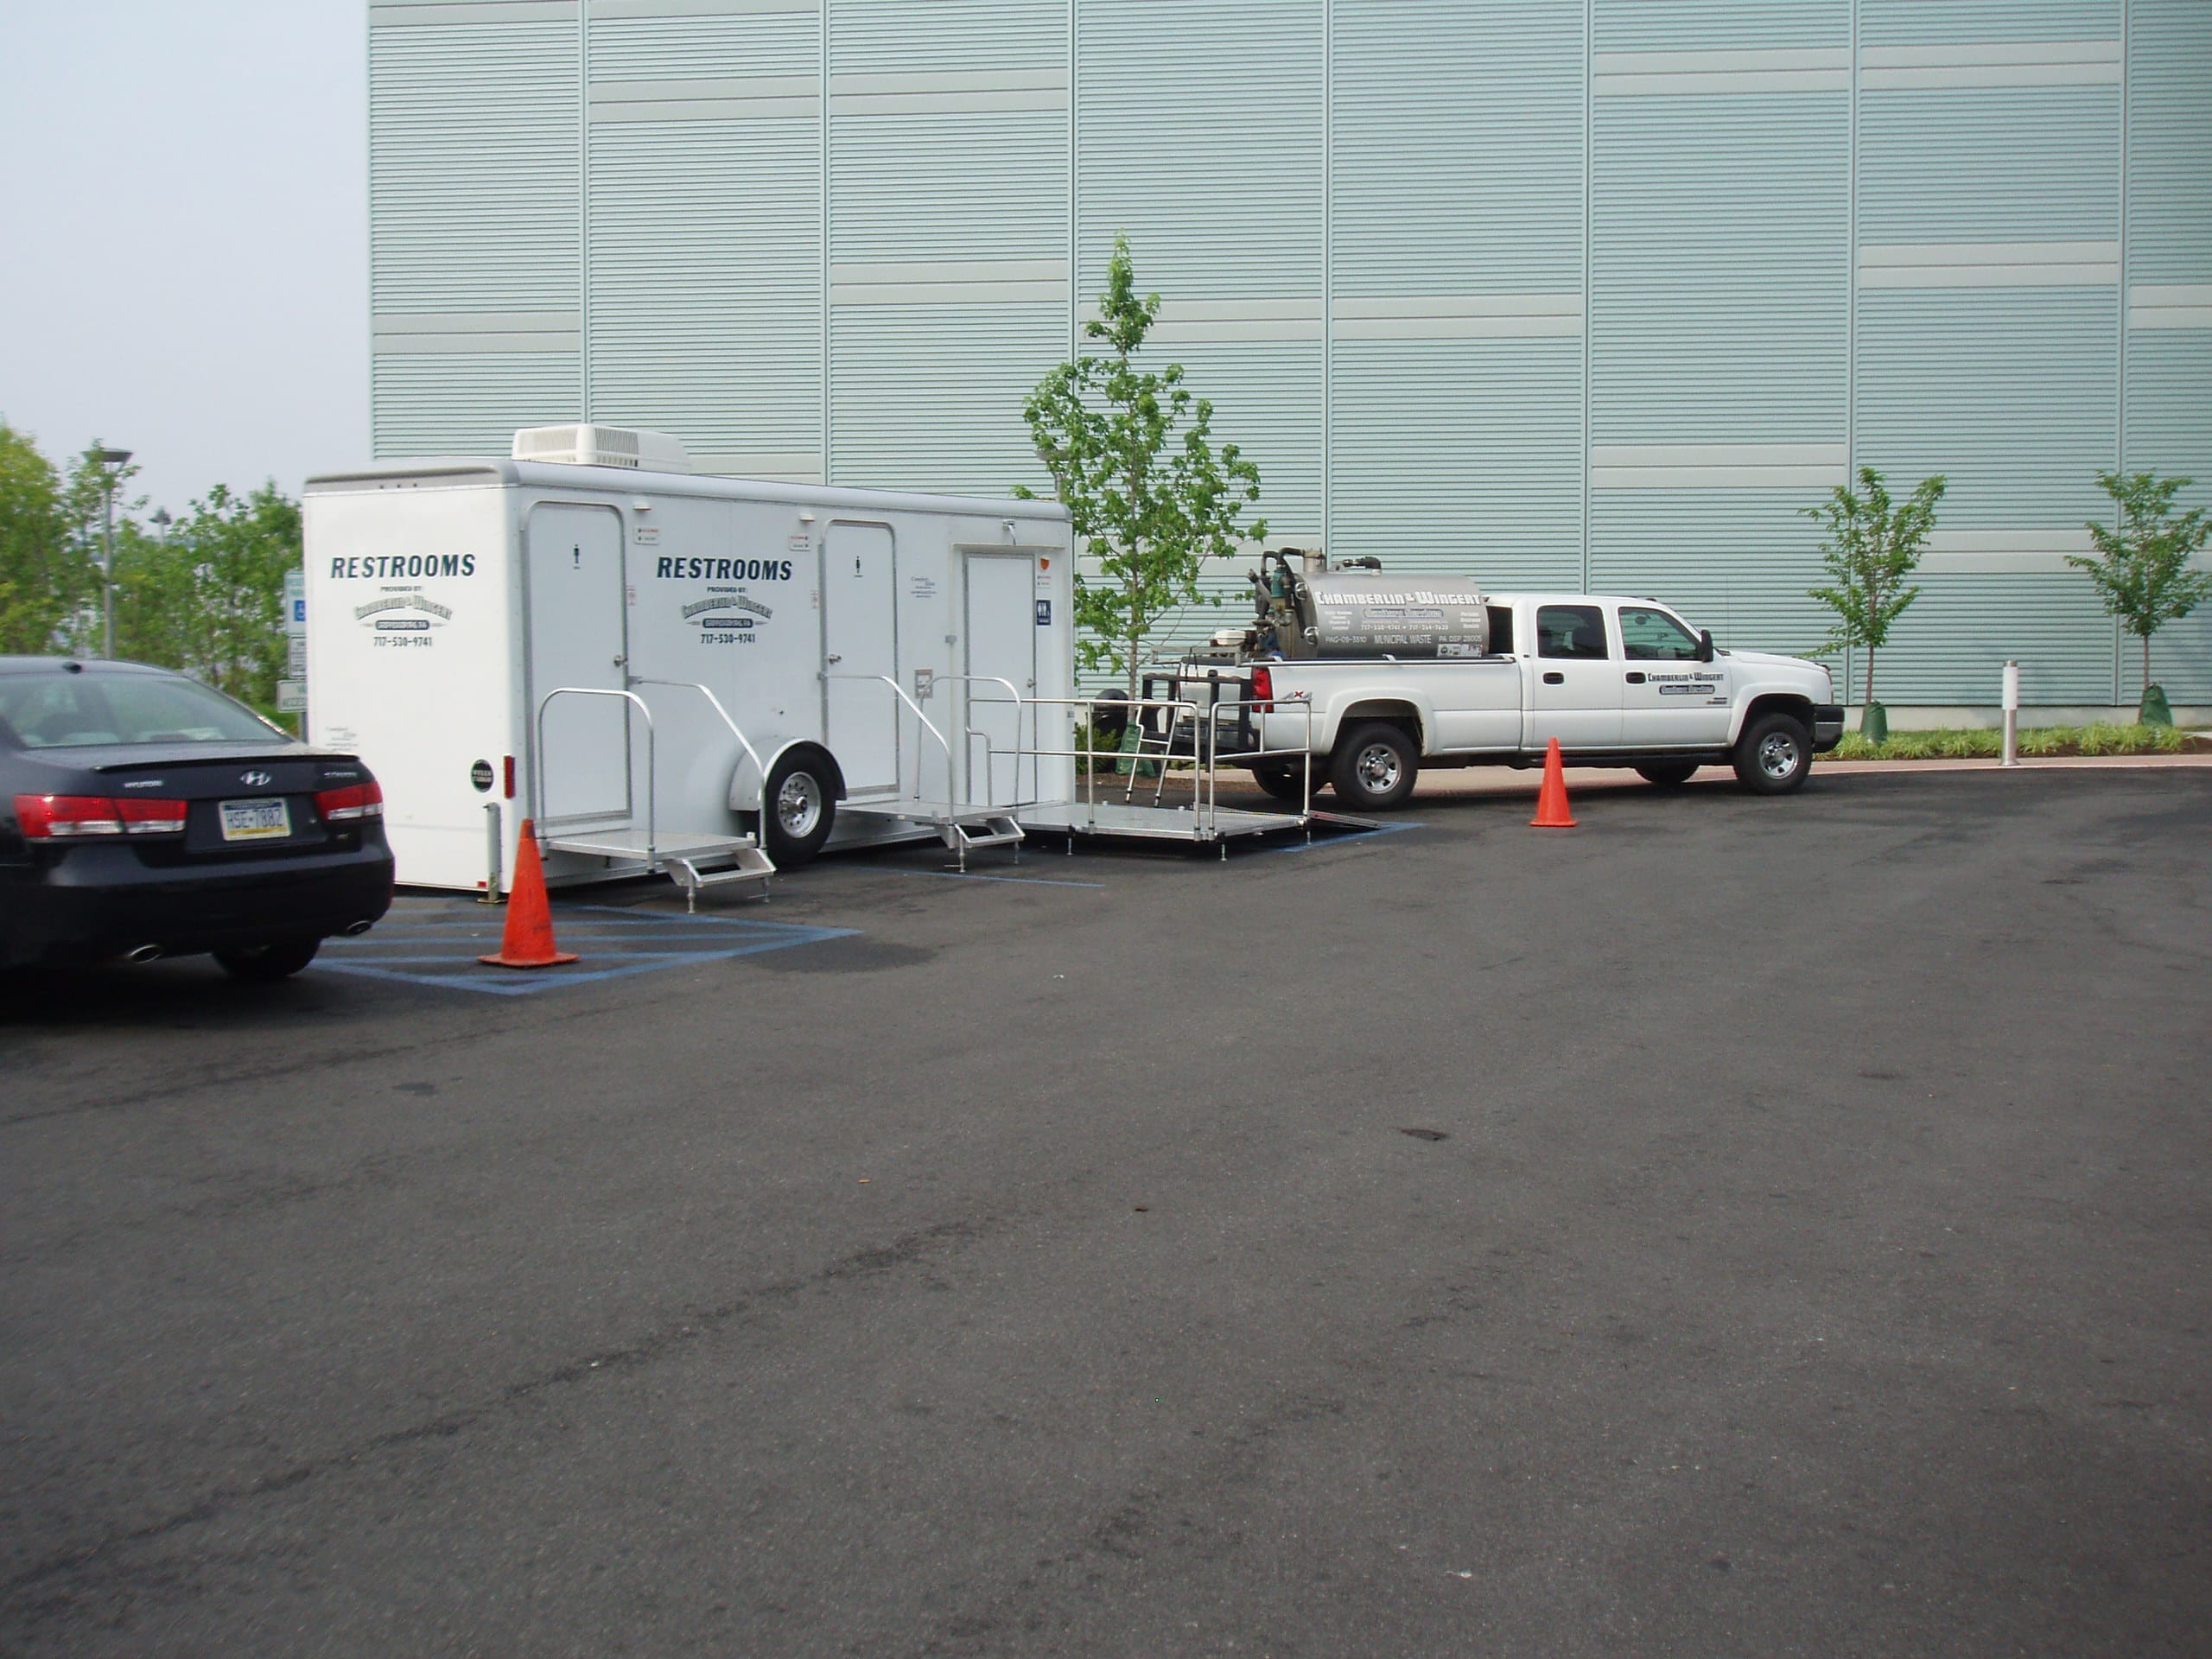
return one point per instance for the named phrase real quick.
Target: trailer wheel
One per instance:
(800, 807)
(1667, 774)
(1774, 754)
(1373, 768)
(1286, 784)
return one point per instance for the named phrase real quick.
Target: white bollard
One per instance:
(495, 848)
(2011, 715)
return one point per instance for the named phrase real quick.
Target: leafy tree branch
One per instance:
(1131, 457)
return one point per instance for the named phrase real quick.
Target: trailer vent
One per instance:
(603, 446)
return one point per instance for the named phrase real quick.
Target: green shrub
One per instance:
(2105, 737)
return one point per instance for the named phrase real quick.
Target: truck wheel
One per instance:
(1667, 774)
(1373, 768)
(1774, 754)
(1285, 783)
(800, 808)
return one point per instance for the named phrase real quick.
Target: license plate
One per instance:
(263, 820)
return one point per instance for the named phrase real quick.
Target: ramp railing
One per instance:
(1204, 758)
(540, 765)
(952, 790)
(990, 753)
(759, 772)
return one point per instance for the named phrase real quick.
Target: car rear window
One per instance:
(52, 711)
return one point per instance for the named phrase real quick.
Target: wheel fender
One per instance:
(1752, 696)
(745, 783)
(1339, 714)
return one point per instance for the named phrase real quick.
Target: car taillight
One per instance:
(1263, 691)
(63, 817)
(151, 817)
(75, 818)
(354, 801)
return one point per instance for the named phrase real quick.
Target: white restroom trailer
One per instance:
(630, 655)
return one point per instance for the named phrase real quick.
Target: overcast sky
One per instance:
(183, 261)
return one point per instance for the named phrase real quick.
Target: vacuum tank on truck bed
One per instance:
(1307, 610)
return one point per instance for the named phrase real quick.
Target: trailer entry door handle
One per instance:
(1554, 677)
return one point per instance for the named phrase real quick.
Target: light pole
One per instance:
(112, 463)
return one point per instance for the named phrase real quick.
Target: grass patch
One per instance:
(1974, 743)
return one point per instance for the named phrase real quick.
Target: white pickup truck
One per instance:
(1399, 674)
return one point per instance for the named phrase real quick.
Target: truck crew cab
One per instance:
(1399, 673)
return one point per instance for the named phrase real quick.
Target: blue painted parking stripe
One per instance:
(970, 876)
(1357, 834)
(410, 946)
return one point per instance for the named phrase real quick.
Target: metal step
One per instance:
(624, 842)
(999, 831)
(692, 862)
(960, 826)
(749, 864)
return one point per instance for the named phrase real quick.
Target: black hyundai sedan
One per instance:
(143, 814)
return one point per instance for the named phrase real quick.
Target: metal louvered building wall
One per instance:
(1554, 292)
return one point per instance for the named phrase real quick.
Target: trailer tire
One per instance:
(1373, 768)
(1285, 783)
(799, 806)
(1774, 754)
(1667, 774)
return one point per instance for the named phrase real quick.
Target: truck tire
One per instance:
(1667, 774)
(1286, 784)
(1373, 768)
(1774, 754)
(799, 807)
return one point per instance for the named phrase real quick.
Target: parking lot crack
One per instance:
(50, 1587)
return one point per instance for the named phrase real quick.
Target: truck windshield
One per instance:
(1655, 637)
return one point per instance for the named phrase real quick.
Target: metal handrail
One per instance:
(759, 772)
(971, 733)
(1266, 707)
(951, 796)
(538, 769)
(1205, 795)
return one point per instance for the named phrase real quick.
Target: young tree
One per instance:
(1131, 454)
(1873, 544)
(44, 579)
(2142, 569)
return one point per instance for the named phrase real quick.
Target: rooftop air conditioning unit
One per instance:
(603, 446)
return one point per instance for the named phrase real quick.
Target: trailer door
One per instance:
(1001, 634)
(576, 612)
(861, 718)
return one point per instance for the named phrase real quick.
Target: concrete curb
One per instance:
(1502, 781)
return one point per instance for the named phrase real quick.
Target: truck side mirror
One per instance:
(1704, 645)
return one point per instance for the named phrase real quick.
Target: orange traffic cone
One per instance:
(528, 942)
(1551, 805)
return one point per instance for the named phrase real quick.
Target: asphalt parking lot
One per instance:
(1733, 1227)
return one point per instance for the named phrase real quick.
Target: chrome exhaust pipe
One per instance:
(142, 953)
(355, 930)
